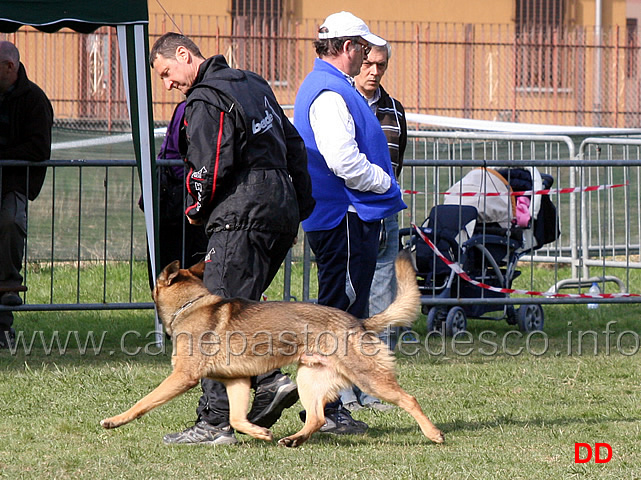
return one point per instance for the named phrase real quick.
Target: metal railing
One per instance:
(87, 223)
(85, 238)
(600, 225)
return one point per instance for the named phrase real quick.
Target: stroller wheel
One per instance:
(455, 322)
(530, 318)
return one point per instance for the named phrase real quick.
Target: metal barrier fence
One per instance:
(600, 227)
(86, 247)
(611, 220)
(440, 159)
(86, 240)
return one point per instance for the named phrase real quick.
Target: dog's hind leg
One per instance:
(408, 403)
(379, 380)
(172, 386)
(315, 388)
(238, 393)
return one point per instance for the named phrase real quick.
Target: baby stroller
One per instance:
(480, 234)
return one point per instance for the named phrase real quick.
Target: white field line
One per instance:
(107, 140)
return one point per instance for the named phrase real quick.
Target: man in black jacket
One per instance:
(248, 183)
(26, 118)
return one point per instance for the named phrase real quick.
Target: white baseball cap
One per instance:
(344, 24)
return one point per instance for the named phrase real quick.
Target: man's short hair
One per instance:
(331, 47)
(167, 45)
(387, 48)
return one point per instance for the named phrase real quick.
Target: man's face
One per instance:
(179, 72)
(372, 71)
(355, 52)
(8, 74)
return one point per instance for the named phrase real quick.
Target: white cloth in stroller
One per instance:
(499, 209)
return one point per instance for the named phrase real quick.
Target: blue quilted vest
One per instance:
(331, 195)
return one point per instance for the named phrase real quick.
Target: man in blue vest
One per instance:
(353, 181)
(391, 116)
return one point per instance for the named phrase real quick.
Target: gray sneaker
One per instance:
(378, 405)
(340, 422)
(202, 433)
(353, 406)
(271, 399)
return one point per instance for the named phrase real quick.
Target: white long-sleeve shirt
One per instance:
(335, 133)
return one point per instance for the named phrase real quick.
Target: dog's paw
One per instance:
(290, 442)
(438, 438)
(109, 423)
(255, 431)
(286, 442)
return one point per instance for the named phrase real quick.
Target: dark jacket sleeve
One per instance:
(297, 169)
(210, 155)
(33, 141)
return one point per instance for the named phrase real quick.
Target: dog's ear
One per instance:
(198, 269)
(169, 273)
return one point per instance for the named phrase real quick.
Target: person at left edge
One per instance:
(26, 120)
(249, 185)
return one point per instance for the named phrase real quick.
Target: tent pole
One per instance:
(133, 42)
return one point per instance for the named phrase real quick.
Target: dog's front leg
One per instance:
(238, 393)
(175, 384)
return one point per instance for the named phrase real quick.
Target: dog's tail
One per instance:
(404, 310)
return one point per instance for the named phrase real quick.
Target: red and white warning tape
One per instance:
(456, 268)
(549, 191)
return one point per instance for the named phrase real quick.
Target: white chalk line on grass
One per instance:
(106, 140)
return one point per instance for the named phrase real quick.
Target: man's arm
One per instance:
(34, 142)
(334, 132)
(210, 155)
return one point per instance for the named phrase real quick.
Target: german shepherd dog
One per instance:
(230, 340)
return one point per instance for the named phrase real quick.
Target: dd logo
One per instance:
(586, 449)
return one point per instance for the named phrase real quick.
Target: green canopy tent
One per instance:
(131, 19)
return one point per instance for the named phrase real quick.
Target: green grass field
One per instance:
(511, 406)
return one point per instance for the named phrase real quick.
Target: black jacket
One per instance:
(29, 135)
(248, 162)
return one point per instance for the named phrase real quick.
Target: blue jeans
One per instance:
(383, 289)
